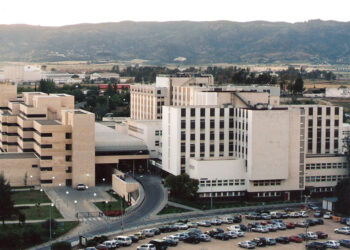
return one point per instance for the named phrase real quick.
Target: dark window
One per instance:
(221, 147)
(46, 146)
(328, 133)
(46, 135)
(68, 146)
(183, 160)
(328, 122)
(221, 135)
(222, 124)
(212, 135)
(319, 111)
(68, 135)
(193, 136)
(212, 148)
(202, 123)
(202, 137)
(336, 133)
(45, 181)
(34, 166)
(335, 144)
(183, 124)
(336, 123)
(183, 147)
(231, 135)
(202, 112)
(212, 124)
(310, 123)
(192, 148)
(193, 124)
(158, 92)
(46, 169)
(231, 123)
(222, 112)
(328, 111)
(319, 121)
(46, 157)
(68, 158)
(183, 136)
(69, 170)
(231, 112)
(193, 112)
(212, 112)
(230, 147)
(311, 111)
(202, 148)
(183, 112)
(336, 110)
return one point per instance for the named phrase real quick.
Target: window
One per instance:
(192, 148)
(328, 111)
(193, 124)
(319, 111)
(45, 181)
(222, 112)
(221, 147)
(68, 135)
(68, 158)
(231, 135)
(34, 166)
(46, 145)
(336, 123)
(212, 149)
(68, 146)
(46, 157)
(212, 112)
(193, 112)
(202, 123)
(231, 112)
(221, 135)
(183, 160)
(183, 147)
(212, 135)
(222, 124)
(193, 136)
(202, 112)
(183, 135)
(336, 110)
(156, 143)
(46, 169)
(202, 136)
(183, 124)
(202, 147)
(69, 170)
(311, 111)
(156, 132)
(46, 135)
(212, 124)
(328, 122)
(183, 112)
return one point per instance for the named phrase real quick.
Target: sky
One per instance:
(66, 12)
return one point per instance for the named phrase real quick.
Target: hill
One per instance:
(200, 42)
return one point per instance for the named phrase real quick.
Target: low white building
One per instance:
(341, 92)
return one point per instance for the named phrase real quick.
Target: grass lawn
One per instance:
(33, 213)
(29, 197)
(172, 210)
(112, 205)
(15, 236)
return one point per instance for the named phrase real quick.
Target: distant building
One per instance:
(341, 92)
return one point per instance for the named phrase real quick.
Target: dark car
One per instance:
(318, 221)
(260, 242)
(183, 221)
(296, 239)
(243, 227)
(221, 236)
(134, 238)
(156, 231)
(270, 241)
(170, 242)
(343, 220)
(345, 243)
(164, 229)
(301, 235)
(237, 218)
(159, 244)
(172, 228)
(282, 240)
(215, 231)
(321, 235)
(290, 225)
(193, 238)
(310, 222)
(318, 214)
(316, 245)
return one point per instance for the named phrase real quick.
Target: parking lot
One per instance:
(328, 228)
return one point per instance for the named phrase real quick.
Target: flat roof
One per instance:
(109, 140)
(48, 122)
(17, 155)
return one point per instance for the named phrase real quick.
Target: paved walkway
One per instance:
(174, 204)
(31, 205)
(34, 221)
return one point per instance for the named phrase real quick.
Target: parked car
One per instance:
(204, 237)
(81, 187)
(304, 214)
(260, 229)
(318, 214)
(270, 241)
(221, 236)
(282, 240)
(310, 222)
(327, 215)
(148, 232)
(232, 234)
(316, 245)
(159, 244)
(192, 224)
(238, 232)
(227, 220)
(321, 235)
(311, 236)
(181, 236)
(345, 243)
(290, 225)
(193, 238)
(233, 227)
(271, 227)
(204, 223)
(260, 242)
(247, 244)
(318, 221)
(172, 237)
(156, 231)
(140, 235)
(301, 224)
(332, 244)
(181, 226)
(295, 238)
(343, 220)
(342, 230)
(111, 244)
(123, 240)
(134, 238)
(237, 219)
(294, 215)
(216, 222)
(281, 226)
(146, 247)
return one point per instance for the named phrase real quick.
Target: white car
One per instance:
(148, 232)
(311, 236)
(110, 244)
(171, 238)
(327, 215)
(304, 214)
(205, 237)
(174, 237)
(266, 216)
(294, 215)
(238, 232)
(192, 224)
(233, 227)
(227, 220)
(204, 223)
(181, 226)
(123, 240)
(342, 230)
(332, 244)
(81, 187)
(232, 234)
(146, 247)
(216, 222)
(247, 244)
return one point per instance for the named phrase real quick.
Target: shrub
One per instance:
(63, 245)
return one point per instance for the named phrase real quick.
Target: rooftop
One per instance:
(109, 140)
(17, 155)
(48, 122)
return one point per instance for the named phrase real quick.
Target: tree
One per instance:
(6, 204)
(342, 190)
(182, 186)
(47, 86)
(22, 218)
(298, 85)
(63, 245)
(78, 95)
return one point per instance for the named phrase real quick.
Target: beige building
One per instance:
(44, 140)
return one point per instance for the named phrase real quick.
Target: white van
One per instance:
(148, 232)
(234, 227)
(124, 240)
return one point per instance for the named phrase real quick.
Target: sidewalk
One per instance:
(34, 221)
(32, 205)
(174, 204)
(162, 204)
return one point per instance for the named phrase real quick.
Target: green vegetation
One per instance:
(172, 210)
(29, 197)
(6, 203)
(38, 213)
(62, 245)
(342, 190)
(182, 186)
(15, 236)
(119, 204)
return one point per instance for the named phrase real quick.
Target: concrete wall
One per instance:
(123, 188)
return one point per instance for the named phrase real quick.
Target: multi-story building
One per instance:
(44, 140)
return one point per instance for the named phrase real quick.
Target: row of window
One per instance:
(325, 178)
(239, 112)
(202, 124)
(326, 165)
(238, 136)
(267, 194)
(214, 183)
(222, 194)
(267, 183)
(328, 111)
(157, 132)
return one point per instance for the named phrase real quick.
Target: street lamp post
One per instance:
(41, 195)
(76, 210)
(67, 193)
(51, 220)
(31, 181)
